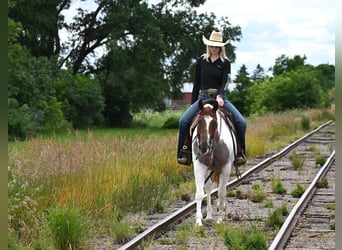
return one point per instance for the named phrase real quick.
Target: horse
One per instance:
(213, 151)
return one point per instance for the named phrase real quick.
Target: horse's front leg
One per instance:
(221, 192)
(209, 206)
(199, 178)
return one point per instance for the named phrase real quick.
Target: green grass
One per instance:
(241, 237)
(298, 191)
(106, 173)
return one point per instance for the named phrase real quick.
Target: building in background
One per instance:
(186, 100)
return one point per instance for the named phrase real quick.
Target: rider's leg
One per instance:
(240, 125)
(184, 140)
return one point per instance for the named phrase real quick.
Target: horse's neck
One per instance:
(222, 126)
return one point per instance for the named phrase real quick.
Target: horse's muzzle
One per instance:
(204, 147)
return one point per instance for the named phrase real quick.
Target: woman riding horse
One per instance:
(211, 76)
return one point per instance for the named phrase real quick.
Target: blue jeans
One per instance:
(186, 119)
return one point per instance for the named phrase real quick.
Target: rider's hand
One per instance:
(219, 100)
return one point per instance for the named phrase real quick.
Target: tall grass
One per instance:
(107, 173)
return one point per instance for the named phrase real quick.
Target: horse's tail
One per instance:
(215, 177)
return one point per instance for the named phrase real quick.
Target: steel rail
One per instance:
(182, 212)
(290, 222)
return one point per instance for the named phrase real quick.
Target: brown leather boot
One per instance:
(185, 156)
(240, 158)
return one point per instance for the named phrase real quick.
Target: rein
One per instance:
(212, 146)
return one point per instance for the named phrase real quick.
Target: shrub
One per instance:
(320, 160)
(298, 191)
(277, 186)
(305, 123)
(296, 160)
(121, 231)
(67, 227)
(258, 194)
(242, 238)
(276, 219)
(171, 123)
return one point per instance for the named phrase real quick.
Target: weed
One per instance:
(231, 193)
(237, 237)
(277, 186)
(330, 206)
(298, 191)
(297, 160)
(320, 160)
(111, 171)
(258, 193)
(332, 225)
(305, 123)
(314, 149)
(268, 204)
(158, 206)
(121, 231)
(67, 227)
(323, 183)
(276, 219)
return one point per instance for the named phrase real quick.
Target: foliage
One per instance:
(276, 219)
(305, 122)
(258, 194)
(298, 191)
(243, 238)
(33, 107)
(297, 160)
(66, 170)
(54, 86)
(121, 231)
(320, 160)
(68, 228)
(172, 122)
(277, 186)
(82, 100)
(290, 90)
(237, 96)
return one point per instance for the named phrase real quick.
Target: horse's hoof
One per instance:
(219, 221)
(209, 221)
(199, 223)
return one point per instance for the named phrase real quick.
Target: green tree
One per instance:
(258, 73)
(238, 95)
(81, 98)
(296, 89)
(286, 64)
(41, 21)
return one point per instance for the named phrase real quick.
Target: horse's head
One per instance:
(207, 125)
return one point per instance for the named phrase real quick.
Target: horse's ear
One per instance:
(200, 104)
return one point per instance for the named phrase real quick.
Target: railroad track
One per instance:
(240, 210)
(314, 227)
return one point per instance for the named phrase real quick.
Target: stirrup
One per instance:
(240, 159)
(185, 160)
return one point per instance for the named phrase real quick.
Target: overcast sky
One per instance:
(271, 28)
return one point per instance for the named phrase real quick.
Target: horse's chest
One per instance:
(216, 159)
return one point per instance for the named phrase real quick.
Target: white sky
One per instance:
(276, 27)
(271, 28)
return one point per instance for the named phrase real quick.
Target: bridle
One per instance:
(212, 140)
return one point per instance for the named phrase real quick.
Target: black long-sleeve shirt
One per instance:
(210, 75)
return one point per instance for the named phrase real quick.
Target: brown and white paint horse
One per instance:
(212, 150)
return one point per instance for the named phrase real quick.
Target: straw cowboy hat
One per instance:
(215, 39)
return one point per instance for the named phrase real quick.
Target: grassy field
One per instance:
(93, 178)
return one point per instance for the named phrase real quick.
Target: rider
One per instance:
(212, 70)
